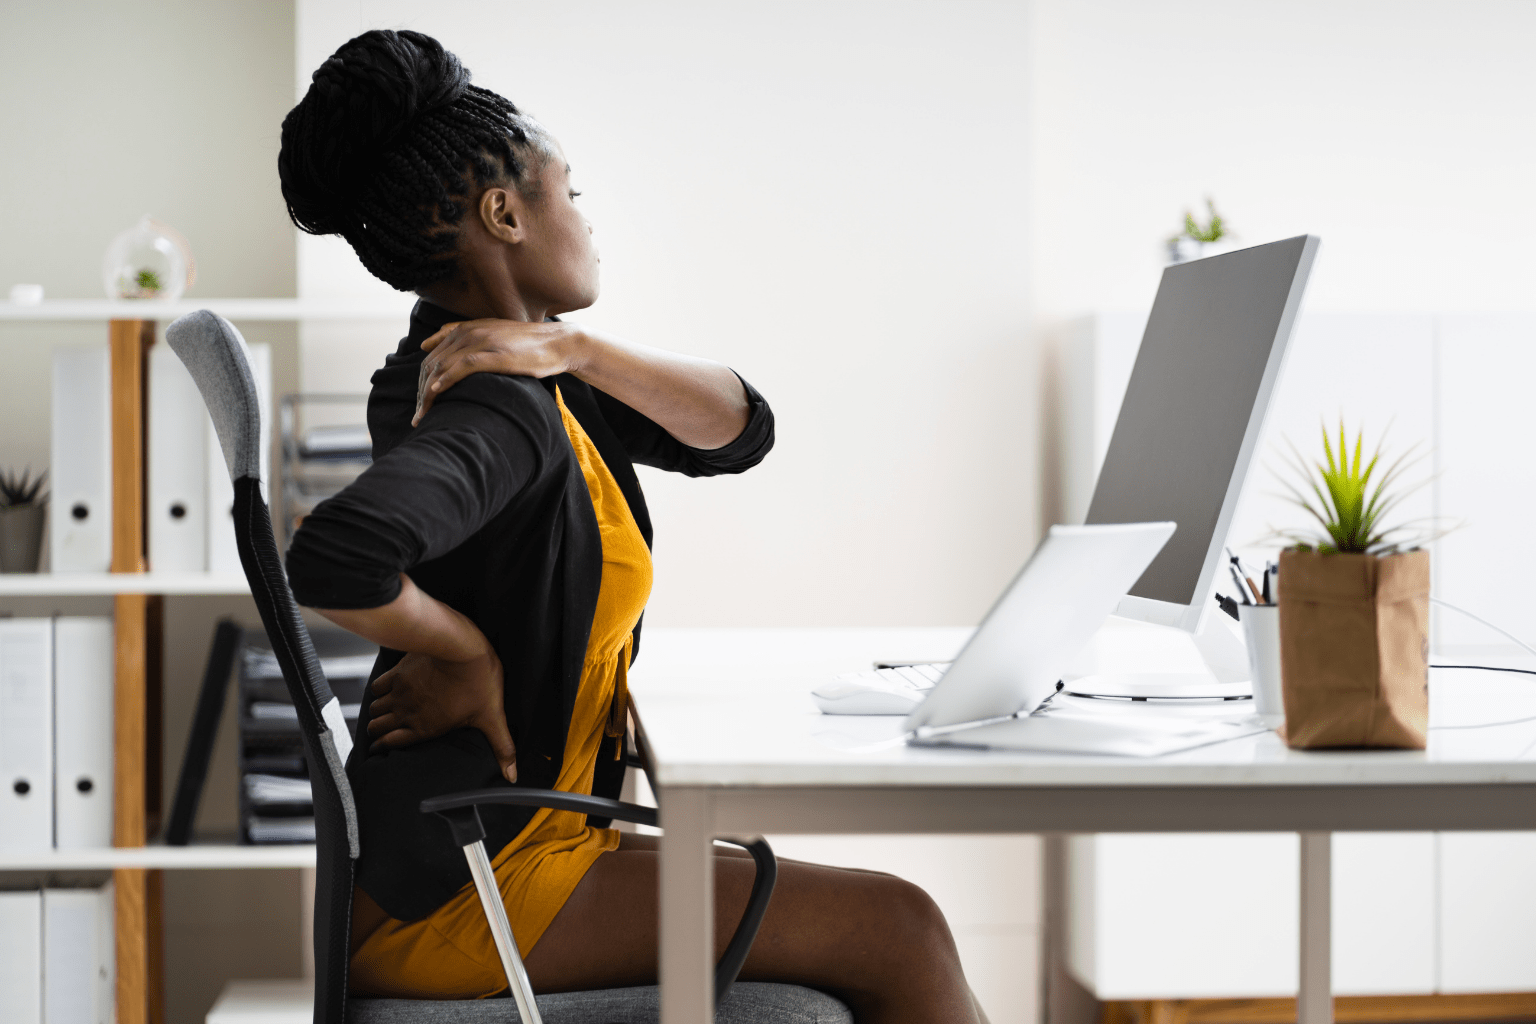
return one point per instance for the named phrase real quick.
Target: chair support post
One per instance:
(501, 931)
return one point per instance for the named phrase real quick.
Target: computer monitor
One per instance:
(1213, 349)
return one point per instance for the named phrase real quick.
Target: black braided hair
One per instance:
(382, 149)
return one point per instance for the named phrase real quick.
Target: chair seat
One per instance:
(746, 1003)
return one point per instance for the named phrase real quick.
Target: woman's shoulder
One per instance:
(482, 402)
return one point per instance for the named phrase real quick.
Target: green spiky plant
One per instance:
(148, 281)
(21, 491)
(1350, 496)
(1214, 230)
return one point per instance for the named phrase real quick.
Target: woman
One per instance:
(498, 551)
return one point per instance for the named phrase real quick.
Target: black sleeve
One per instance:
(424, 498)
(650, 445)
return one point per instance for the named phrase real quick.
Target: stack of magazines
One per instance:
(276, 803)
(325, 447)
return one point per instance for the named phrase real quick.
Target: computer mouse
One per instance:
(868, 693)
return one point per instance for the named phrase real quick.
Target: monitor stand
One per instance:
(1131, 660)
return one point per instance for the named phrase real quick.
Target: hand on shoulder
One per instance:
(512, 347)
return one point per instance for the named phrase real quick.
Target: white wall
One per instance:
(831, 198)
(1398, 130)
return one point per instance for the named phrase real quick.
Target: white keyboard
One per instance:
(882, 691)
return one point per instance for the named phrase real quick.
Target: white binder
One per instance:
(26, 734)
(223, 556)
(21, 956)
(80, 476)
(83, 663)
(77, 954)
(178, 466)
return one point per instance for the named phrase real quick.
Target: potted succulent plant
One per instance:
(23, 510)
(1197, 241)
(1354, 604)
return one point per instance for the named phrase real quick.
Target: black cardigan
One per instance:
(485, 507)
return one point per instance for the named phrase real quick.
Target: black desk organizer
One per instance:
(275, 802)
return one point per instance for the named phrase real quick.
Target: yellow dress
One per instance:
(450, 953)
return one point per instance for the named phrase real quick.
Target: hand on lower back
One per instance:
(424, 697)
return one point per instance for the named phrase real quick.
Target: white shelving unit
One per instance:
(130, 326)
(197, 855)
(108, 584)
(231, 309)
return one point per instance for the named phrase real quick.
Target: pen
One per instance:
(1266, 584)
(1237, 571)
(1242, 591)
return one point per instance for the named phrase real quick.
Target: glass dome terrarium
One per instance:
(150, 260)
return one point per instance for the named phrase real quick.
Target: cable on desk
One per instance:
(1492, 668)
(1488, 668)
(1527, 648)
(1488, 725)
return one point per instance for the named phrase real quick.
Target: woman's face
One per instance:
(559, 262)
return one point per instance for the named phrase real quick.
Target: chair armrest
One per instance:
(462, 813)
(518, 796)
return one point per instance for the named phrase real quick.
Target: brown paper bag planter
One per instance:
(1354, 649)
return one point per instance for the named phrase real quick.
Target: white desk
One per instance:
(739, 749)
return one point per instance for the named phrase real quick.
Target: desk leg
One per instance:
(1314, 1001)
(687, 907)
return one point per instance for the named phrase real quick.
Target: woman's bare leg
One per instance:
(876, 942)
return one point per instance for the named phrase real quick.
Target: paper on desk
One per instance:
(1149, 735)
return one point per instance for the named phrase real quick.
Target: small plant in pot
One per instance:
(23, 511)
(1198, 240)
(1354, 604)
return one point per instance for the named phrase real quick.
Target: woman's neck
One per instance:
(475, 301)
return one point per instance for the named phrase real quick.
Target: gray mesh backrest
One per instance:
(215, 355)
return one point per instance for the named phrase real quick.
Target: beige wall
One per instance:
(830, 197)
(112, 110)
(172, 108)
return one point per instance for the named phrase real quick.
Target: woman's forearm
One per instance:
(698, 401)
(414, 622)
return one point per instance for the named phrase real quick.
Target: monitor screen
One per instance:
(1199, 379)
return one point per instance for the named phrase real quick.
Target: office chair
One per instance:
(215, 355)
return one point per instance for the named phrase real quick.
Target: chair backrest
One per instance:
(216, 356)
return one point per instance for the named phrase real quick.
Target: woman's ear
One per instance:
(503, 215)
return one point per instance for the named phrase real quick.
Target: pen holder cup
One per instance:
(1261, 630)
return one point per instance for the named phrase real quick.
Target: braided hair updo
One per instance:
(383, 147)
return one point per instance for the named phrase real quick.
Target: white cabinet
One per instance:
(1384, 913)
(1487, 365)
(1192, 916)
(1487, 911)
(1215, 916)
(1375, 371)
(1182, 916)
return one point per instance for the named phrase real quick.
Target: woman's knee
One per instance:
(911, 918)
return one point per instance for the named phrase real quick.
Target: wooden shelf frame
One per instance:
(1494, 1006)
(138, 919)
